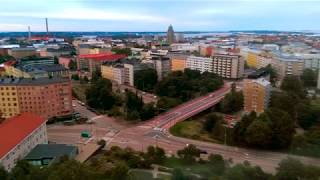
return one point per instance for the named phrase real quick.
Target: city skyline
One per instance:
(157, 15)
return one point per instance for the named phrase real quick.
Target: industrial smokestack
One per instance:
(29, 33)
(47, 28)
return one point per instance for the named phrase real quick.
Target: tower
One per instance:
(170, 35)
(29, 33)
(47, 28)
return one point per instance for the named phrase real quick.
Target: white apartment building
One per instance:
(184, 47)
(18, 136)
(201, 64)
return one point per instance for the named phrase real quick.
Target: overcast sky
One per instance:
(157, 15)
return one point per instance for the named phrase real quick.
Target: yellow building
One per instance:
(252, 59)
(9, 105)
(178, 64)
(256, 95)
(15, 72)
(107, 72)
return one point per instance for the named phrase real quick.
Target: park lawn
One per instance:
(138, 174)
(196, 168)
(192, 129)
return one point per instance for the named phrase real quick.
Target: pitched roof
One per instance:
(15, 129)
(103, 56)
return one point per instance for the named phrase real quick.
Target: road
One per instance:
(155, 132)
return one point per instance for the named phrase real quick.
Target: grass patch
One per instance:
(138, 174)
(192, 129)
(203, 170)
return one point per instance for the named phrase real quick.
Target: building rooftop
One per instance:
(103, 56)
(14, 130)
(31, 81)
(24, 49)
(262, 82)
(42, 151)
(47, 68)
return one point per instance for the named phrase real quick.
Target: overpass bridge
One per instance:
(186, 110)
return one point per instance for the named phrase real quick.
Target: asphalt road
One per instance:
(155, 132)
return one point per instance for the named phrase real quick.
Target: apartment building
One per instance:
(93, 62)
(123, 72)
(178, 62)
(47, 97)
(287, 65)
(263, 60)
(201, 64)
(19, 53)
(25, 131)
(162, 65)
(257, 94)
(228, 65)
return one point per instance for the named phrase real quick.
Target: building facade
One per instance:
(25, 131)
(162, 65)
(201, 64)
(178, 63)
(47, 97)
(228, 66)
(256, 95)
(93, 62)
(19, 53)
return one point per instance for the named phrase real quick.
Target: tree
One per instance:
(56, 60)
(309, 78)
(259, 133)
(146, 79)
(292, 169)
(210, 121)
(166, 103)
(218, 164)
(96, 75)
(189, 153)
(3, 173)
(155, 154)
(133, 105)
(99, 95)
(177, 174)
(282, 126)
(126, 51)
(147, 112)
(188, 84)
(233, 101)
(75, 77)
(306, 116)
(120, 171)
(272, 72)
(72, 65)
(293, 84)
(246, 171)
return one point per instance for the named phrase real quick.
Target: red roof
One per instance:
(13, 130)
(103, 56)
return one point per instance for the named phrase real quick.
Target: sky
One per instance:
(157, 15)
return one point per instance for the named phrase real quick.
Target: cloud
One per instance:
(12, 27)
(88, 14)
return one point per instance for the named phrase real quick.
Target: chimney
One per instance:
(47, 28)
(29, 33)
